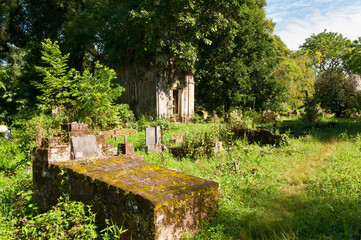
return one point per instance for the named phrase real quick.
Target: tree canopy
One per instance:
(327, 50)
(352, 58)
(226, 44)
(296, 74)
(335, 60)
(235, 68)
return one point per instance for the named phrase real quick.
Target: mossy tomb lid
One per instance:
(157, 184)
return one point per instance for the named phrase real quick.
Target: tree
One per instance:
(55, 87)
(95, 97)
(235, 66)
(228, 42)
(89, 96)
(337, 93)
(327, 50)
(295, 72)
(154, 33)
(280, 47)
(352, 58)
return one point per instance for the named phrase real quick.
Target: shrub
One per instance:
(67, 220)
(11, 156)
(96, 96)
(31, 130)
(336, 93)
(89, 96)
(311, 111)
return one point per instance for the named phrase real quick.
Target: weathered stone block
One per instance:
(74, 127)
(150, 201)
(126, 148)
(125, 131)
(47, 180)
(50, 142)
(103, 147)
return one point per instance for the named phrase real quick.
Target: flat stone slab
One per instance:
(150, 201)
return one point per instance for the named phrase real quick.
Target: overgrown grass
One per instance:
(308, 188)
(19, 216)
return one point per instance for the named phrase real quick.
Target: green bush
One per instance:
(146, 121)
(336, 93)
(95, 98)
(88, 97)
(11, 156)
(311, 111)
(67, 220)
(29, 131)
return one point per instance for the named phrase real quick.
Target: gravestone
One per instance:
(84, 146)
(152, 135)
(152, 139)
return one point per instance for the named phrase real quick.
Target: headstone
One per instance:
(152, 136)
(178, 138)
(84, 146)
(74, 127)
(126, 148)
(152, 139)
(8, 135)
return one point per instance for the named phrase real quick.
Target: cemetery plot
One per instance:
(150, 201)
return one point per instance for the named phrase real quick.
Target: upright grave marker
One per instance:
(152, 139)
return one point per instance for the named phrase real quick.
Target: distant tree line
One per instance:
(327, 66)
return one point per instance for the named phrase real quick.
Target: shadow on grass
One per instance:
(326, 130)
(299, 217)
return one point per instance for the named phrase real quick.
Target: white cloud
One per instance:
(301, 22)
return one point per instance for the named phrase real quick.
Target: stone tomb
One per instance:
(150, 201)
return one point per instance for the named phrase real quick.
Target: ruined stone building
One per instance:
(147, 92)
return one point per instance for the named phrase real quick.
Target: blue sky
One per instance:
(297, 20)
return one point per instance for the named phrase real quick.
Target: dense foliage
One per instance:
(235, 68)
(87, 97)
(295, 73)
(56, 61)
(352, 58)
(327, 50)
(334, 61)
(337, 93)
(227, 44)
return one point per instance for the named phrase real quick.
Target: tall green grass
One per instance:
(306, 189)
